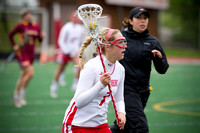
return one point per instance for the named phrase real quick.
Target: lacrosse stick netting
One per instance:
(90, 15)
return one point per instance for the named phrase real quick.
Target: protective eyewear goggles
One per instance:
(119, 42)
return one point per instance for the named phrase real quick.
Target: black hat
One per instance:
(135, 12)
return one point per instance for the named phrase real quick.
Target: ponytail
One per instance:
(84, 45)
(126, 24)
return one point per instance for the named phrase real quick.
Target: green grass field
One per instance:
(173, 107)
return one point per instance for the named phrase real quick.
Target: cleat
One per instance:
(53, 90)
(16, 102)
(53, 94)
(74, 86)
(62, 83)
(22, 101)
(61, 80)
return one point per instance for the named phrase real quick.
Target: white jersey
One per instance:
(70, 38)
(89, 106)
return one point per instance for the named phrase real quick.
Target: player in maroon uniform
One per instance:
(28, 32)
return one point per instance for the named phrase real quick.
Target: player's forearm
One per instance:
(86, 97)
(120, 106)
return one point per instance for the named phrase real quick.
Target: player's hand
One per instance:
(16, 48)
(156, 53)
(122, 120)
(42, 34)
(105, 78)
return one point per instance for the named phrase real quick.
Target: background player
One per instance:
(28, 32)
(70, 39)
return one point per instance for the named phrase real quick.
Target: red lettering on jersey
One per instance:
(114, 83)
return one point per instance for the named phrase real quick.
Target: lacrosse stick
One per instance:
(90, 15)
(12, 55)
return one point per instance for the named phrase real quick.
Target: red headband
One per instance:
(110, 31)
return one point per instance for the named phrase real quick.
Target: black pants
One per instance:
(135, 102)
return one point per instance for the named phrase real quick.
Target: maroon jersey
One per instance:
(30, 30)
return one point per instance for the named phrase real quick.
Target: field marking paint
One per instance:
(161, 107)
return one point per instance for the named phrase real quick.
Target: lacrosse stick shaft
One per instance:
(109, 87)
(9, 59)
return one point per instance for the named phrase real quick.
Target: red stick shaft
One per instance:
(109, 87)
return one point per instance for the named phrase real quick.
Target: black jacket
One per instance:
(138, 58)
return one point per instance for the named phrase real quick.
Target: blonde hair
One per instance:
(102, 38)
(84, 45)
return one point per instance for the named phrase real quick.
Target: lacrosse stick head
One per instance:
(89, 14)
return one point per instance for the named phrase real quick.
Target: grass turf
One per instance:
(176, 95)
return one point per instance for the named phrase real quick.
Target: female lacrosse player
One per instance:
(142, 49)
(87, 112)
(70, 39)
(28, 32)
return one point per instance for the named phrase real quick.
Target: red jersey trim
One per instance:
(70, 116)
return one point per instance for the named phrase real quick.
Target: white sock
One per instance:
(54, 82)
(22, 92)
(54, 85)
(62, 76)
(15, 96)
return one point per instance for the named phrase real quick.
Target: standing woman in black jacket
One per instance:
(142, 50)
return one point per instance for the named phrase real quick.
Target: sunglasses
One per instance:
(119, 42)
